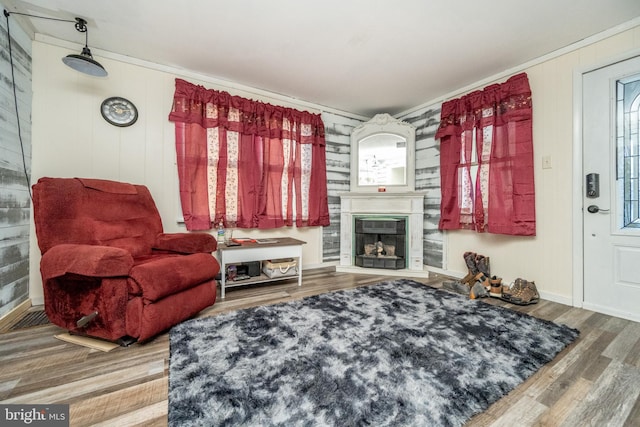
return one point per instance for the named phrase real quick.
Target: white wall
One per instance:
(70, 138)
(547, 257)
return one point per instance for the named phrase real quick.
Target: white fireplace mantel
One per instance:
(406, 204)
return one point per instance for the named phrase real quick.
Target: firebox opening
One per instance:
(380, 242)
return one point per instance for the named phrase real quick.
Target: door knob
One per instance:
(596, 209)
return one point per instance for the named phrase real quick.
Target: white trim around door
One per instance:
(578, 176)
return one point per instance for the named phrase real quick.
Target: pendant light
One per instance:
(84, 62)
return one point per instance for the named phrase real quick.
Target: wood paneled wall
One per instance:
(426, 121)
(15, 158)
(338, 133)
(338, 139)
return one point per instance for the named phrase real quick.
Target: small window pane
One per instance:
(628, 149)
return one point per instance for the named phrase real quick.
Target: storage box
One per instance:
(282, 267)
(253, 268)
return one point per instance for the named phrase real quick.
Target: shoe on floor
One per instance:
(457, 287)
(495, 289)
(509, 290)
(528, 294)
(470, 260)
(469, 279)
(483, 265)
(478, 291)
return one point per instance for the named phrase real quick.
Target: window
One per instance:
(628, 149)
(486, 160)
(247, 164)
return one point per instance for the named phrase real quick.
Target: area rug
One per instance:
(396, 353)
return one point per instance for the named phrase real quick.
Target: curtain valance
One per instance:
(508, 101)
(212, 109)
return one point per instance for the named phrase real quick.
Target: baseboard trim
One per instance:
(320, 265)
(611, 312)
(556, 298)
(9, 318)
(383, 272)
(444, 272)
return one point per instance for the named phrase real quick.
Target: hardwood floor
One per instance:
(594, 382)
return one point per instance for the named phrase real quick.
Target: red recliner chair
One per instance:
(108, 270)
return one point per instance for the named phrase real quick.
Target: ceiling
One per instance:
(358, 56)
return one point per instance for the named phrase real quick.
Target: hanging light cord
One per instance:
(81, 27)
(7, 13)
(15, 99)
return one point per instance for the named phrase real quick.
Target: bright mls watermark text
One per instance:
(34, 415)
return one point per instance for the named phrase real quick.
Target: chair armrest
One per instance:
(186, 243)
(85, 260)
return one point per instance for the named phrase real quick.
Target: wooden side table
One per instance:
(283, 247)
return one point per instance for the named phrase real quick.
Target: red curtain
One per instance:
(497, 121)
(247, 163)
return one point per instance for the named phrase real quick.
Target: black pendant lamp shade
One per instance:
(84, 62)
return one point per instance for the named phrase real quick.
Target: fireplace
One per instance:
(380, 242)
(405, 210)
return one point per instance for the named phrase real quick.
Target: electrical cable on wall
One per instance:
(83, 63)
(15, 99)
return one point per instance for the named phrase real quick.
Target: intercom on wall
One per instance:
(593, 185)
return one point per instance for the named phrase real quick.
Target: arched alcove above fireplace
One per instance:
(383, 155)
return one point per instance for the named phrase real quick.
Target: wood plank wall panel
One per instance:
(426, 121)
(337, 135)
(14, 187)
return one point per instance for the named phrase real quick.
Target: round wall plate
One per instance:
(119, 111)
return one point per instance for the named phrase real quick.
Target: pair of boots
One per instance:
(479, 276)
(476, 264)
(478, 280)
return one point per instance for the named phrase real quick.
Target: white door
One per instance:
(611, 213)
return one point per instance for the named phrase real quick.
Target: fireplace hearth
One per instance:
(380, 242)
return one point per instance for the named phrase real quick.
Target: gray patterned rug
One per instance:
(396, 353)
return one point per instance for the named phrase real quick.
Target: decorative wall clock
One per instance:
(119, 111)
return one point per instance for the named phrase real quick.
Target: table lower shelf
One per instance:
(262, 278)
